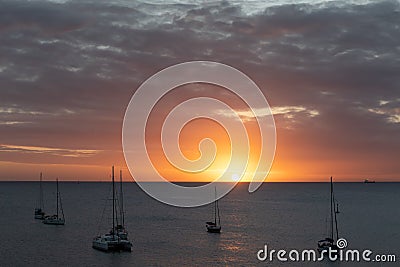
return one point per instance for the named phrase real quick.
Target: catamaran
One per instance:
(330, 242)
(117, 238)
(215, 226)
(56, 219)
(39, 210)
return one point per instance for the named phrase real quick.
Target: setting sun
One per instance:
(235, 177)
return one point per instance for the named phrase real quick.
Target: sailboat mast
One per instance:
(61, 208)
(57, 196)
(121, 199)
(219, 217)
(336, 224)
(41, 192)
(215, 207)
(332, 208)
(113, 200)
(336, 211)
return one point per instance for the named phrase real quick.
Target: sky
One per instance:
(329, 70)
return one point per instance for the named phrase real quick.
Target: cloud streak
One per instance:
(47, 150)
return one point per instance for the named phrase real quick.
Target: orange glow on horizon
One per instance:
(299, 158)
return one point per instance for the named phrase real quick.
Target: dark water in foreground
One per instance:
(282, 215)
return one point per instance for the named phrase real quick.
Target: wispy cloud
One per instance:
(13, 110)
(48, 150)
(294, 109)
(391, 115)
(14, 122)
(287, 111)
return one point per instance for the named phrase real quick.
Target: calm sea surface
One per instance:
(281, 215)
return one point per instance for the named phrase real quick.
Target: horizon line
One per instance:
(197, 182)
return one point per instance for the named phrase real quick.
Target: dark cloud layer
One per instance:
(68, 70)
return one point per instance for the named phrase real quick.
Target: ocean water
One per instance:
(281, 215)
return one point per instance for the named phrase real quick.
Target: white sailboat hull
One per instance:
(54, 221)
(109, 244)
(39, 215)
(100, 245)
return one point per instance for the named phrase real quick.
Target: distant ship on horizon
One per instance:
(366, 181)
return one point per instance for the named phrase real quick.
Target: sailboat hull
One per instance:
(100, 246)
(213, 228)
(111, 245)
(39, 217)
(327, 244)
(54, 221)
(39, 214)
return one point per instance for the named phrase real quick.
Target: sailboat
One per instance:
(39, 210)
(330, 242)
(56, 219)
(112, 241)
(215, 227)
